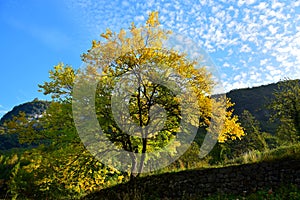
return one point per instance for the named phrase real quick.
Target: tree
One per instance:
(285, 107)
(232, 130)
(141, 53)
(157, 76)
(254, 137)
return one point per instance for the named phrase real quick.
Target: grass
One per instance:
(291, 151)
(280, 153)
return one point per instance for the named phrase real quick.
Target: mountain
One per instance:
(255, 101)
(32, 109)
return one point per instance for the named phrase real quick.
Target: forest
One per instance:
(58, 150)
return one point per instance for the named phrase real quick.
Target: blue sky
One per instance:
(251, 42)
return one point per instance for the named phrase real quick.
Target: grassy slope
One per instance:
(135, 189)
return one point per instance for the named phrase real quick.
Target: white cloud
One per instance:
(275, 72)
(255, 77)
(233, 85)
(226, 64)
(262, 6)
(237, 77)
(264, 61)
(270, 68)
(296, 3)
(242, 36)
(273, 29)
(276, 4)
(139, 18)
(241, 2)
(250, 2)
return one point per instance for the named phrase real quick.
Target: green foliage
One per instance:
(10, 165)
(255, 139)
(189, 160)
(54, 174)
(60, 167)
(9, 141)
(279, 153)
(286, 109)
(30, 111)
(253, 156)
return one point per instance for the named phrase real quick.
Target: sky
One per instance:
(251, 42)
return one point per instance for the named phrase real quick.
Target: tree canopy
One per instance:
(153, 70)
(285, 107)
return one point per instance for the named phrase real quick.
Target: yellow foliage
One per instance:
(62, 81)
(153, 19)
(232, 128)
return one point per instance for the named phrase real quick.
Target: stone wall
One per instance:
(234, 179)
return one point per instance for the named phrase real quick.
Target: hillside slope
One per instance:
(255, 100)
(31, 109)
(197, 184)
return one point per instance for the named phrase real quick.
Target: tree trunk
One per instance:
(134, 166)
(143, 155)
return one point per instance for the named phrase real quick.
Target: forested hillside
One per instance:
(32, 109)
(255, 101)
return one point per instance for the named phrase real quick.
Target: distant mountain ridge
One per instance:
(32, 109)
(255, 100)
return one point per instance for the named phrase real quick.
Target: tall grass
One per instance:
(279, 153)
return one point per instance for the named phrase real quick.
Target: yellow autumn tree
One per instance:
(154, 76)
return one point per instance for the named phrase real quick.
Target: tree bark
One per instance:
(134, 166)
(143, 155)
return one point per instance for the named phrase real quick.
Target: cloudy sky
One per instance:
(251, 42)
